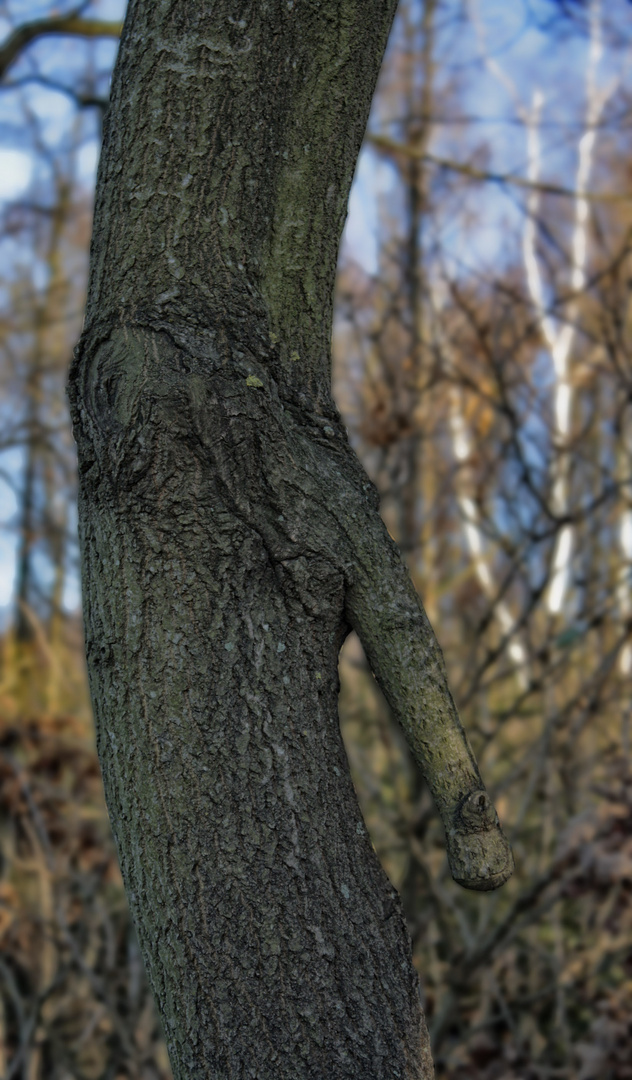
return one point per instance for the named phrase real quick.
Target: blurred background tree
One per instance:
(482, 363)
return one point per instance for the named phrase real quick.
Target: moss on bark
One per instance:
(230, 538)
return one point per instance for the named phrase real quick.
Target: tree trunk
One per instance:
(229, 541)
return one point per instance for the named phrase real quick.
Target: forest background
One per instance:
(483, 366)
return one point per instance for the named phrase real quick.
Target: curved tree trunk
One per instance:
(230, 539)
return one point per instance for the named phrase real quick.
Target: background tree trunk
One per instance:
(229, 540)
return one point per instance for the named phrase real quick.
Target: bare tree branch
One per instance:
(61, 25)
(383, 143)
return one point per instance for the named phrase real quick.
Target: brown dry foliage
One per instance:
(531, 983)
(74, 998)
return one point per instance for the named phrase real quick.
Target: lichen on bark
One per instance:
(229, 541)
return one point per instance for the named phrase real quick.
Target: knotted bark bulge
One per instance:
(229, 541)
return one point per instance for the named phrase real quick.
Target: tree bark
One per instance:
(230, 539)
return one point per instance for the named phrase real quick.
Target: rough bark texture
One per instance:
(230, 539)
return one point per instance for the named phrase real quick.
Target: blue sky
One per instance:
(530, 56)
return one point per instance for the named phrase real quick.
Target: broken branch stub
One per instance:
(406, 659)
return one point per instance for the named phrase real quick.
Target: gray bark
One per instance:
(229, 541)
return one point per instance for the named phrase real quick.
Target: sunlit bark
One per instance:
(230, 539)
